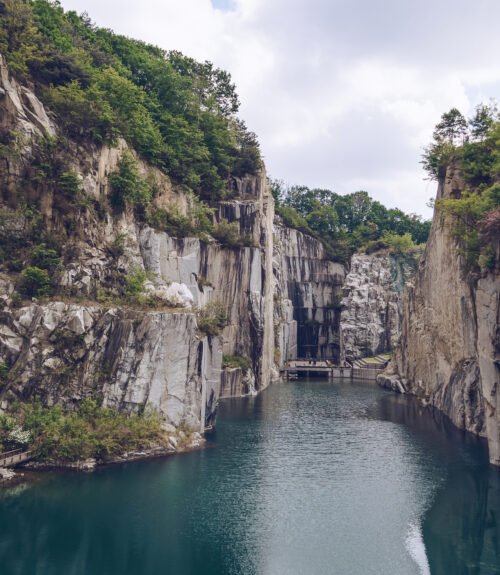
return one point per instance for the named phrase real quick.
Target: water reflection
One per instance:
(308, 478)
(462, 527)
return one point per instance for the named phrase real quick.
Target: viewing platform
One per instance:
(367, 368)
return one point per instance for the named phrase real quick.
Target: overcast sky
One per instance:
(343, 94)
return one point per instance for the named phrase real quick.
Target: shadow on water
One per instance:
(461, 529)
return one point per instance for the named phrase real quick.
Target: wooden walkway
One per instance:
(13, 458)
(361, 369)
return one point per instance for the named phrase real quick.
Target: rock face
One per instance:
(449, 354)
(371, 306)
(240, 278)
(79, 343)
(308, 290)
(131, 359)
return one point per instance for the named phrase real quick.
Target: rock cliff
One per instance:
(240, 278)
(370, 317)
(308, 290)
(449, 354)
(279, 289)
(80, 343)
(63, 353)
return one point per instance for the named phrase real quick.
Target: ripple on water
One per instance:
(309, 478)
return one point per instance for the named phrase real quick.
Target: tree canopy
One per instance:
(473, 141)
(345, 223)
(474, 147)
(177, 113)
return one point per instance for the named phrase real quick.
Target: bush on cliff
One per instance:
(171, 221)
(394, 243)
(127, 184)
(46, 258)
(228, 234)
(90, 431)
(474, 224)
(4, 374)
(212, 318)
(135, 283)
(34, 282)
(236, 361)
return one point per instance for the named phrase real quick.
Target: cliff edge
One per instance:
(449, 352)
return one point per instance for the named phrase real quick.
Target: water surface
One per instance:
(309, 478)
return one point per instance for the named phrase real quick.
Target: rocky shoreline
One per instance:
(10, 477)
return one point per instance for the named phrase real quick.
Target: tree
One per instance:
(127, 185)
(247, 158)
(278, 190)
(84, 114)
(450, 132)
(483, 121)
(213, 87)
(344, 223)
(324, 220)
(436, 158)
(353, 209)
(452, 128)
(34, 282)
(20, 40)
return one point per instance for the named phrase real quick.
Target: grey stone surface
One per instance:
(308, 290)
(371, 306)
(131, 359)
(449, 354)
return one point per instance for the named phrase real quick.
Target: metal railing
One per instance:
(12, 458)
(10, 453)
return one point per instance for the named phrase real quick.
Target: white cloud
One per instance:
(342, 94)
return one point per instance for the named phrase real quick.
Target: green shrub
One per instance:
(395, 243)
(35, 282)
(293, 219)
(91, 431)
(12, 435)
(4, 374)
(172, 222)
(487, 258)
(14, 265)
(201, 215)
(212, 318)
(83, 113)
(135, 283)
(117, 246)
(236, 361)
(16, 299)
(48, 160)
(127, 185)
(228, 234)
(69, 184)
(45, 258)
(375, 246)
(399, 244)
(197, 222)
(475, 224)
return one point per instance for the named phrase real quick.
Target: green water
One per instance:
(309, 478)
